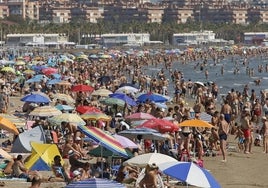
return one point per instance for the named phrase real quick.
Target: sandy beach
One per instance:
(240, 171)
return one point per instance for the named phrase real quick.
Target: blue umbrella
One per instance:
(124, 97)
(151, 97)
(53, 81)
(64, 107)
(95, 183)
(33, 80)
(35, 98)
(190, 173)
(56, 76)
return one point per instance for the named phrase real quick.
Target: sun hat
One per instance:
(118, 115)
(78, 138)
(264, 118)
(76, 173)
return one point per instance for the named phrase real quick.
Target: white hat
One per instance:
(78, 138)
(118, 115)
(71, 152)
(76, 173)
(264, 118)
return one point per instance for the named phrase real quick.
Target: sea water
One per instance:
(226, 81)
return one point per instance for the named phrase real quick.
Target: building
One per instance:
(255, 38)
(128, 39)
(196, 38)
(38, 39)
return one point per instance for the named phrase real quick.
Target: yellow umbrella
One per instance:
(95, 116)
(101, 92)
(195, 123)
(8, 125)
(28, 71)
(67, 117)
(8, 69)
(20, 62)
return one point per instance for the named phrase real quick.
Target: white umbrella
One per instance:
(150, 158)
(127, 90)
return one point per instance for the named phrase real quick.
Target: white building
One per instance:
(193, 38)
(135, 39)
(38, 39)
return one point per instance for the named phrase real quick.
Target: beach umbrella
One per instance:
(124, 97)
(83, 88)
(67, 117)
(150, 158)
(124, 141)
(190, 173)
(128, 84)
(5, 154)
(127, 90)
(104, 139)
(85, 109)
(137, 122)
(95, 116)
(139, 116)
(49, 71)
(113, 101)
(101, 92)
(103, 152)
(19, 122)
(64, 83)
(105, 79)
(8, 69)
(64, 97)
(160, 125)
(35, 98)
(33, 80)
(63, 107)
(29, 71)
(95, 183)
(151, 97)
(53, 81)
(142, 133)
(8, 126)
(195, 123)
(19, 63)
(45, 111)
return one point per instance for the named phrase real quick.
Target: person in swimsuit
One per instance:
(223, 132)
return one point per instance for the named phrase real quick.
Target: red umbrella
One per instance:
(140, 116)
(161, 125)
(81, 87)
(85, 109)
(49, 71)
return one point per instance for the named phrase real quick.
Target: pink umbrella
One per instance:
(125, 142)
(140, 116)
(160, 125)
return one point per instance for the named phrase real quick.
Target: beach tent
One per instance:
(22, 142)
(42, 156)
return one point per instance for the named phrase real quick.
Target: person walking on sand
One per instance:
(265, 134)
(245, 125)
(223, 134)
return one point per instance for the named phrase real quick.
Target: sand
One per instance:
(240, 171)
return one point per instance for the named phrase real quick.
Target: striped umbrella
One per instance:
(45, 111)
(95, 183)
(105, 140)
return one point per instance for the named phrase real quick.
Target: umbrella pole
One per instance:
(101, 162)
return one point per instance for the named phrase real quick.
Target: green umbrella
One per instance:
(113, 101)
(103, 152)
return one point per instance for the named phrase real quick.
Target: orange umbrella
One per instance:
(8, 125)
(195, 123)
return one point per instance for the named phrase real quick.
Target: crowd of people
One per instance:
(242, 113)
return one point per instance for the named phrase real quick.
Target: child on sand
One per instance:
(241, 138)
